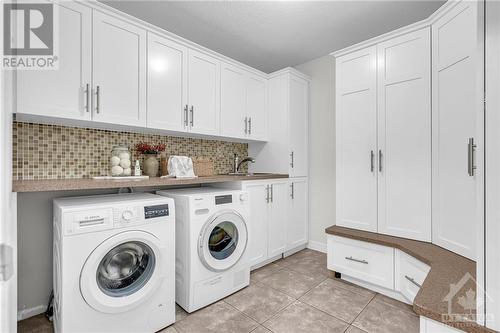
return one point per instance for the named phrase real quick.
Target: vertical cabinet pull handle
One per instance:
(192, 115)
(272, 193)
(246, 125)
(412, 280)
(87, 98)
(372, 161)
(292, 195)
(186, 115)
(291, 159)
(379, 160)
(250, 125)
(267, 193)
(471, 148)
(98, 99)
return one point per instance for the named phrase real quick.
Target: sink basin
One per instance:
(248, 174)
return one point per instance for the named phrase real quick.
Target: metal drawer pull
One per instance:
(186, 122)
(87, 98)
(250, 125)
(372, 158)
(357, 260)
(192, 116)
(98, 99)
(246, 125)
(471, 147)
(412, 280)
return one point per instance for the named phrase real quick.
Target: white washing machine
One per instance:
(211, 240)
(114, 265)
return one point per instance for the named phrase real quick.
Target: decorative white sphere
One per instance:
(115, 160)
(125, 163)
(124, 156)
(127, 172)
(116, 170)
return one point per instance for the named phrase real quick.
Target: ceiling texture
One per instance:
(270, 35)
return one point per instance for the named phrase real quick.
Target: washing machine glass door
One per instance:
(122, 272)
(222, 241)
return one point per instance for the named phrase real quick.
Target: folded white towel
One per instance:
(181, 167)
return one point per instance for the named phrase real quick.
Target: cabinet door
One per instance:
(356, 123)
(257, 223)
(234, 122)
(404, 136)
(119, 71)
(297, 126)
(297, 222)
(203, 93)
(256, 107)
(167, 84)
(63, 92)
(277, 218)
(457, 117)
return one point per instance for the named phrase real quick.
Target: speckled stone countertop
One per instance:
(88, 184)
(447, 268)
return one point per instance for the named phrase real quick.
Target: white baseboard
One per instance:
(317, 246)
(27, 313)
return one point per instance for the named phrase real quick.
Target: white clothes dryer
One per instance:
(211, 241)
(114, 263)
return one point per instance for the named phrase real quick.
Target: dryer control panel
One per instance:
(155, 211)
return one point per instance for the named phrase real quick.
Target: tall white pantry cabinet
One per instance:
(409, 134)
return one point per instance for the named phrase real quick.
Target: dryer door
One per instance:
(122, 272)
(222, 241)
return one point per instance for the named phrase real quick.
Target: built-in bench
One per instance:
(437, 282)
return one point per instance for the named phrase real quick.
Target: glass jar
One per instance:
(120, 163)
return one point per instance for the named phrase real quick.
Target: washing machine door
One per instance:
(222, 240)
(122, 272)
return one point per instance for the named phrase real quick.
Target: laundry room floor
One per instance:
(295, 294)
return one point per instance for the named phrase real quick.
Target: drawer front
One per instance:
(361, 260)
(409, 274)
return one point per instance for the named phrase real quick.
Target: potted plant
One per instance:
(150, 152)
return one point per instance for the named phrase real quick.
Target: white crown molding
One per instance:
(401, 31)
(289, 70)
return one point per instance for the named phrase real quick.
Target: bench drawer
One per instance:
(409, 274)
(368, 262)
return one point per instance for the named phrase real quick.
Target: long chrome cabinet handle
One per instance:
(186, 116)
(272, 193)
(246, 125)
(291, 159)
(87, 98)
(380, 160)
(98, 99)
(412, 280)
(357, 260)
(292, 195)
(372, 161)
(267, 193)
(471, 148)
(192, 115)
(250, 125)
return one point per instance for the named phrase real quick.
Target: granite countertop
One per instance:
(447, 268)
(88, 184)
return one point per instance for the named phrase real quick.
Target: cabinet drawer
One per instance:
(409, 274)
(364, 261)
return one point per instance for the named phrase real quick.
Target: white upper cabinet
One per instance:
(297, 221)
(356, 123)
(457, 129)
(404, 136)
(167, 84)
(234, 121)
(62, 93)
(119, 71)
(297, 126)
(256, 107)
(203, 93)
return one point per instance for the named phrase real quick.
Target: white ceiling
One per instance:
(270, 35)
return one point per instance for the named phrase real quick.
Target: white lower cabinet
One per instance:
(409, 274)
(430, 326)
(297, 222)
(381, 268)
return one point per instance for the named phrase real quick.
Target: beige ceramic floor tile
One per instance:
(309, 266)
(353, 329)
(180, 313)
(36, 324)
(262, 272)
(336, 301)
(261, 329)
(381, 317)
(300, 318)
(216, 318)
(292, 283)
(393, 302)
(170, 329)
(259, 301)
(352, 287)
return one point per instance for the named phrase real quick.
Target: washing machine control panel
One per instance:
(223, 199)
(155, 211)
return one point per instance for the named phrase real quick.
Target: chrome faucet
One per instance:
(237, 164)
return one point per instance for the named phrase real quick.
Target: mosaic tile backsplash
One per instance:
(59, 152)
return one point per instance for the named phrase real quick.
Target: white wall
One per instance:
(321, 148)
